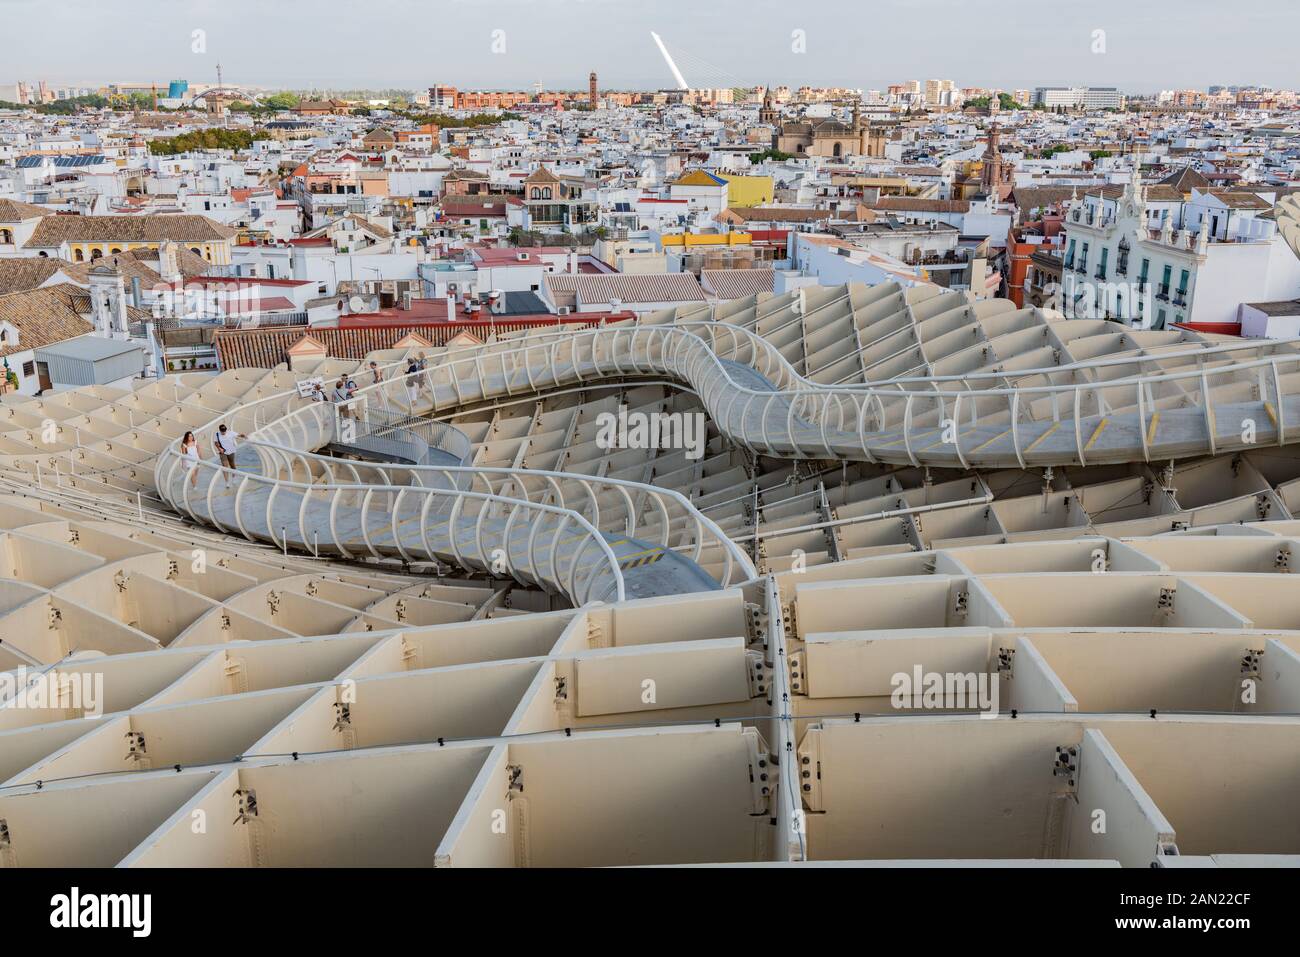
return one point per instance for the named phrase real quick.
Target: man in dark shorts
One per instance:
(224, 443)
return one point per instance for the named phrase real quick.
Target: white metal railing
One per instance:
(996, 426)
(538, 544)
(631, 509)
(755, 398)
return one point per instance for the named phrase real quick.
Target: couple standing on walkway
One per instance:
(224, 443)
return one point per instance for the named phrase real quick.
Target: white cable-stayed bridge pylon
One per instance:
(707, 75)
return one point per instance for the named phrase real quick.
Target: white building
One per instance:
(1072, 97)
(1196, 264)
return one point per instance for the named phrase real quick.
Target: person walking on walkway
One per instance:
(224, 441)
(190, 452)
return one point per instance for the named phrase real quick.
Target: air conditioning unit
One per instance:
(564, 310)
(522, 257)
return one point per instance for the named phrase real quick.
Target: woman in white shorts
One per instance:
(190, 450)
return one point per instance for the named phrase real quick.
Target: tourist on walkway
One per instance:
(225, 444)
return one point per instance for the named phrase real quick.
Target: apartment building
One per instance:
(1194, 262)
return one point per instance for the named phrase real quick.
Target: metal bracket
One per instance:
(1066, 766)
(959, 607)
(1007, 662)
(1250, 663)
(758, 679)
(342, 716)
(798, 673)
(247, 805)
(1165, 602)
(135, 746)
(1282, 561)
(514, 780)
(809, 765)
(756, 618)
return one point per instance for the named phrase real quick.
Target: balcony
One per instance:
(1180, 297)
(1100, 273)
(1163, 293)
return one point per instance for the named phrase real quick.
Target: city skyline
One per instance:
(713, 46)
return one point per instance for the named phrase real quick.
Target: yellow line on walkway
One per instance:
(1272, 413)
(647, 551)
(1151, 430)
(1096, 432)
(1034, 444)
(924, 435)
(984, 445)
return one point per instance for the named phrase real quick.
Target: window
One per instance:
(78, 256)
(1083, 259)
(1163, 291)
(1180, 297)
(1101, 266)
(1121, 266)
(29, 368)
(1069, 256)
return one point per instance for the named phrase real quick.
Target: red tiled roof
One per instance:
(267, 348)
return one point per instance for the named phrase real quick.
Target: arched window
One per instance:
(115, 250)
(836, 150)
(95, 254)
(43, 254)
(79, 255)
(537, 193)
(6, 236)
(546, 193)
(196, 250)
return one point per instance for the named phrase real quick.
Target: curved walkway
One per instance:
(596, 539)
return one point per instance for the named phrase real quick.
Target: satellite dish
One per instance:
(356, 304)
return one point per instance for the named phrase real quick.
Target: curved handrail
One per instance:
(787, 416)
(490, 549)
(682, 527)
(858, 423)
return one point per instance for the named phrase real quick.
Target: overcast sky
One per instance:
(1149, 44)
